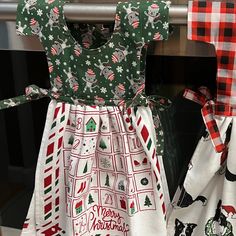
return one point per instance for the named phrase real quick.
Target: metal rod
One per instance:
(90, 12)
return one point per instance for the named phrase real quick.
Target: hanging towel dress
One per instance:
(206, 203)
(99, 169)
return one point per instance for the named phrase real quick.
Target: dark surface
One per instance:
(182, 122)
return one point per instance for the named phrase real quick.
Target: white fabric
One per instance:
(105, 184)
(206, 177)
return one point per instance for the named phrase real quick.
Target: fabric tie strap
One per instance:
(32, 92)
(205, 99)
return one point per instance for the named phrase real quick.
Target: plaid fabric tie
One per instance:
(214, 22)
(205, 99)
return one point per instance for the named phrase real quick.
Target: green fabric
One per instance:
(159, 105)
(108, 74)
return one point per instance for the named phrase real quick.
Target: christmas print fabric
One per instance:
(100, 169)
(106, 75)
(98, 179)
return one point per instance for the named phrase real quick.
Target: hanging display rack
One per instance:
(91, 12)
(102, 13)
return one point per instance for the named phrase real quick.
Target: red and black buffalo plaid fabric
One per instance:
(215, 23)
(204, 98)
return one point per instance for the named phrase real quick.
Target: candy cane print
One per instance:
(76, 143)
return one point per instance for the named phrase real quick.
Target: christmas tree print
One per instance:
(90, 199)
(85, 168)
(102, 144)
(147, 201)
(107, 181)
(71, 140)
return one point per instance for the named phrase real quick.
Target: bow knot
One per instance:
(33, 92)
(201, 97)
(205, 99)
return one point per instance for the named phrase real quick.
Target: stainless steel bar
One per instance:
(8, 11)
(178, 14)
(90, 12)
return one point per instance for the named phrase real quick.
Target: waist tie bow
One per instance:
(205, 99)
(32, 92)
